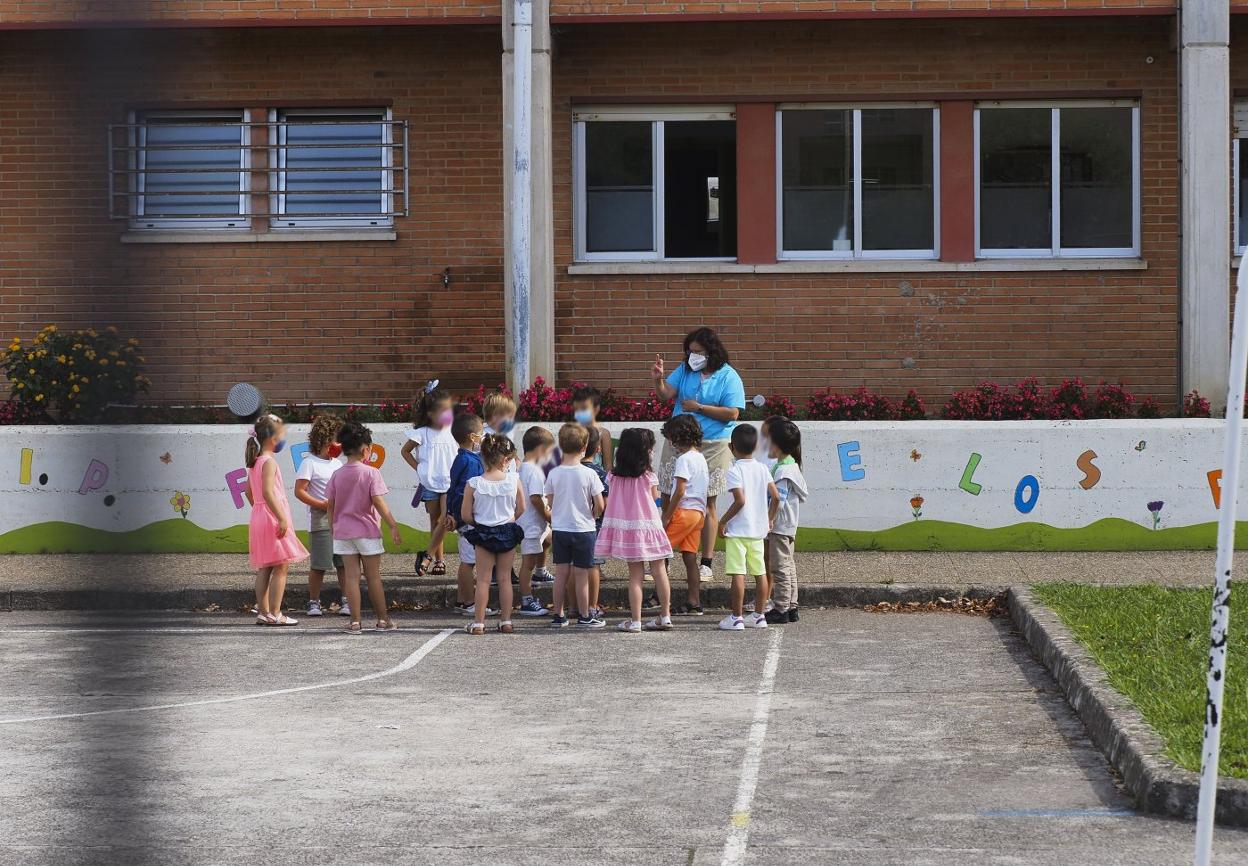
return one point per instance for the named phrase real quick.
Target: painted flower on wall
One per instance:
(181, 502)
(916, 506)
(1154, 508)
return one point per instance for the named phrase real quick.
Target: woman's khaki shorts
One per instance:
(718, 458)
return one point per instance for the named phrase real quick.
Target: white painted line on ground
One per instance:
(229, 630)
(751, 763)
(405, 665)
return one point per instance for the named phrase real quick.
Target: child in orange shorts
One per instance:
(686, 506)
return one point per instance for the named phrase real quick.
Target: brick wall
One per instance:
(791, 334)
(330, 321)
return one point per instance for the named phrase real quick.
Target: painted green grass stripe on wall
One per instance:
(1153, 643)
(178, 535)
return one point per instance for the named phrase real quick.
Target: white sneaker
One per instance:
(659, 623)
(631, 626)
(345, 609)
(732, 623)
(705, 573)
(756, 620)
(314, 608)
(471, 610)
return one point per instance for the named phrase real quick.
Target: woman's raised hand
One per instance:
(657, 371)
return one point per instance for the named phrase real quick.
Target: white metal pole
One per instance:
(521, 190)
(1216, 676)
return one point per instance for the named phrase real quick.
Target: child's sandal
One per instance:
(422, 563)
(505, 627)
(354, 628)
(475, 628)
(385, 625)
(439, 568)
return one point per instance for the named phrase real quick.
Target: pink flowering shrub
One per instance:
(911, 407)
(1113, 401)
(1195, 406)
(860, 405)
(540, 402)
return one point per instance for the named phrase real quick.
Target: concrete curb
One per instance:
(410, 593)
(1135, 750)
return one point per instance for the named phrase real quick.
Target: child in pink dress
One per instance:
(271, 541)
(632, 528)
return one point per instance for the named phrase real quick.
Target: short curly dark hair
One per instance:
(324, 431)
(683, 431)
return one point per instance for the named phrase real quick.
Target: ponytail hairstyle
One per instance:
(266, 426)
(632, 453)
(786, 436)
(422, 408)
(496, 450)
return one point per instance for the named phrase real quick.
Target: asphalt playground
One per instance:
(848, 738)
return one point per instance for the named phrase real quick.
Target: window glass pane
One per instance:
(180, 158)
(1015, 169)
(333, 165)
(1242, 144)
(619, 187)
(700, 189)
(818, 193)
(897, 205)
(1096, 178)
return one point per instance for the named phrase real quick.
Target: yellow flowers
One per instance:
(181, 502)
(45, 373)
(38, 398)
(61, 359)
(75, 389)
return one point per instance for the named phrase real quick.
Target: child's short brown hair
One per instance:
(497, 403)
(592, 442)
(683, 431)
(324, 430)
(573, 439)
(537, 437)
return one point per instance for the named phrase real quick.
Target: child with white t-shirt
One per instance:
(574, 497)
(318, 465)
(429, 450)
(685, 511)
(492, 503)
(745, 525)
(538, 444)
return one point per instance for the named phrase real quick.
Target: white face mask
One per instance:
(697, 362)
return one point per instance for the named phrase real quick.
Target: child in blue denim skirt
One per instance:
(493, 501)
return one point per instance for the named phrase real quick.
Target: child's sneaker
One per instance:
(793, 614)
(651, 602)
(732, 623)
(756, 620)
(777, 617)
(345, 609)
(543, 577)
(689, 610)
(463, 609)
(558, 622)
(597, 613)
(530, 606)
(590, 622)
(314, 608)
(631, 626)
(659, 623)
(705, 573)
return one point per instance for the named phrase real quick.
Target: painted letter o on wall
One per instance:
(1024, 501)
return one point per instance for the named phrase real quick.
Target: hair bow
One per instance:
(431, 385)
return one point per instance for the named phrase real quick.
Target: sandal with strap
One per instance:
(423, 559)
(439, 568)
(385, 625)
(475, 628)
(354, 628)
(264, 619)
(282, 619)
(505, 627)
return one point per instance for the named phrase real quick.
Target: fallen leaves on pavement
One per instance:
(993, 606)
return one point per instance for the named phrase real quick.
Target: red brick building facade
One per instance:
(365, 308)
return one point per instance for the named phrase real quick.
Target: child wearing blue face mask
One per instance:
(499, 412)
(271, 541)
(586, 401)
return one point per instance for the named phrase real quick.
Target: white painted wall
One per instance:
(1139, 462)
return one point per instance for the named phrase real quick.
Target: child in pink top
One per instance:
(632, 528)
(356, 508)
(271, 541)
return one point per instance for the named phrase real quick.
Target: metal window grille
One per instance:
(218, 170)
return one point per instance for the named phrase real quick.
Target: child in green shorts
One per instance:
(744, 526)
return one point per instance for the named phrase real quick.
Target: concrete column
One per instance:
(542, 227)
(1205, 195)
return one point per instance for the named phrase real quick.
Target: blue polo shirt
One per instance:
(722, 388)
(467, 465)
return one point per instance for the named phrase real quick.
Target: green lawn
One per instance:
(1154, 644)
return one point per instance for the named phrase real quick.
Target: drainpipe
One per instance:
(519, 201)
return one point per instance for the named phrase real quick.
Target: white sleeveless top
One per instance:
(493, 502)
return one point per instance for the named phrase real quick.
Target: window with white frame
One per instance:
(857, 182)
(335, 167)
(1239, 159)
(655, 184)
(185, 169)
(1058, 179)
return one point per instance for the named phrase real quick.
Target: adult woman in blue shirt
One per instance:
(706, 386)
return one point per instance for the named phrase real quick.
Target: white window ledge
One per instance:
(251, 237)
(891, 266)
